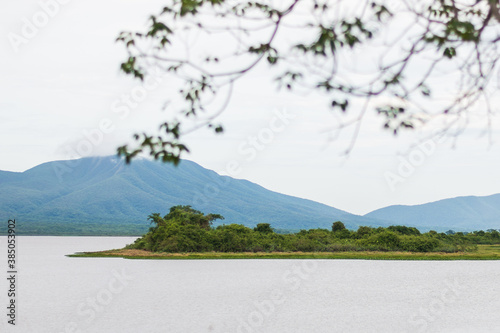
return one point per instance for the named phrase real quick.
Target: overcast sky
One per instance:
(63, 82)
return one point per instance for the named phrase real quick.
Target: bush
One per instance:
(419, 244)
(403, 230)
(364, 232)
(386, 240)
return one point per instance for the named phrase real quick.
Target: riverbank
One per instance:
(484, 252)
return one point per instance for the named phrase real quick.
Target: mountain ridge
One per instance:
(460, 213)
(105, 190)
(105, 194)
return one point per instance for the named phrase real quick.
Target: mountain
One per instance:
(462, 213)
(102, 195)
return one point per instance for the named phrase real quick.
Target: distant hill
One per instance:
(462, 213)
(102, 195)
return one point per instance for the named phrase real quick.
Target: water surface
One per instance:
(60, 294)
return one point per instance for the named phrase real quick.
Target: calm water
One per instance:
(59, 294)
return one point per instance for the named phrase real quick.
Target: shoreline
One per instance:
(484, 252)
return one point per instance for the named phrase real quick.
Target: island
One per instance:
(186, 233)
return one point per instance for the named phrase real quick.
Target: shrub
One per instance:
(386, 240)
(419, 244)
(403, 230)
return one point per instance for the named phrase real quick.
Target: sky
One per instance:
(61, 88)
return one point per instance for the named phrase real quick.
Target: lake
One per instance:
(58, 294)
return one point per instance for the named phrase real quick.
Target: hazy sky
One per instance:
(61, 84)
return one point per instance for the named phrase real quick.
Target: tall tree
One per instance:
(338, 226)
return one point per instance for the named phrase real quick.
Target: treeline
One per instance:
(29, 228)
(184, 229)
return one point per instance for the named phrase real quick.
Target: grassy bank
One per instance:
(484, 252)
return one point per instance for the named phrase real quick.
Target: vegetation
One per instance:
(185, 230)
(484, 252)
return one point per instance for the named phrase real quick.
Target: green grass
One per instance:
(484, 252)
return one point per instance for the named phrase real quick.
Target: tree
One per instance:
(364, 231)
(157, 219)
(410, 45)
(479, 233)
(338, 226)
(186, 215)
(404, 230)
(494, 233)
(263, 227)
